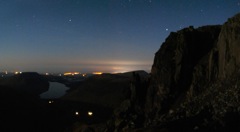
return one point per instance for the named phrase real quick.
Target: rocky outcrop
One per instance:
(228, 47)
(130, 114)
(173, 68)
(196, 71)
(194, 83)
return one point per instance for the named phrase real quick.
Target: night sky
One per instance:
(97, 35)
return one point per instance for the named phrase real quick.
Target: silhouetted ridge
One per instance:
(30, 82)
(194, 84)
(174, 63)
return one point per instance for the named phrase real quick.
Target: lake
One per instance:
(56, 90)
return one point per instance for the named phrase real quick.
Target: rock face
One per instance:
(194, 84)
(29, 82)
(174, 63)
(228, 47)
(195, 70)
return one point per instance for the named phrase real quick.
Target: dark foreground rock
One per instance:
(21, 111)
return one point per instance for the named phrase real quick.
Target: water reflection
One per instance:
(56, 90)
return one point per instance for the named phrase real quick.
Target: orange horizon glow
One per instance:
(71, 73)
(97, 73)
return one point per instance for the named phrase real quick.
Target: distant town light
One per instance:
(71, 73)
(67, 73)
(84, 75)
(17, 72)
(97, 73)
(76, 113)
(6, 72)
(50, 101)
(90, 113)
(47, 74)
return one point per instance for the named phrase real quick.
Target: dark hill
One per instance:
(106, 90)
(29, 82)
(141, 73)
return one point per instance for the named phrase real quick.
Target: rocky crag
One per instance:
(194, 83)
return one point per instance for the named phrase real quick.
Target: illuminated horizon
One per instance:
(116, 67)
(96, 35)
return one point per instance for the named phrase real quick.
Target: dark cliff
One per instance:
(194, 83)
(228, 47)
(174, 63)
(196, 70)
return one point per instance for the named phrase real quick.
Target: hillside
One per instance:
(29, 82)
(107, 90)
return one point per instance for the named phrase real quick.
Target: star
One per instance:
(70, 20)
(166, 29)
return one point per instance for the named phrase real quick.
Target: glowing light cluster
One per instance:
(97, 73)
(71, 73)
(18, 72)
(90, 113)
